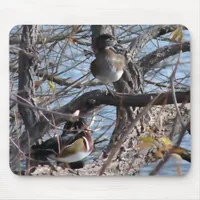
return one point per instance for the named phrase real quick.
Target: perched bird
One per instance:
(78, 149)
(67, 149)
(110, 60)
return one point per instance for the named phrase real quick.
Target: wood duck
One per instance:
(110, 60)
(79, 149)
(64, 149)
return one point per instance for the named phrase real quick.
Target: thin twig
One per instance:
(69, 117)
(173, 89)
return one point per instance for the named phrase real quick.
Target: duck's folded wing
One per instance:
(49, 145)
(73, 148)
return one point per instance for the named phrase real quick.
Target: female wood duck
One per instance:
(110, 60)
(65, 149)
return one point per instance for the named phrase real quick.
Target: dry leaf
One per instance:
(166, 141)
(44, 40)
(180, 37)
(73, 41)
(52, 86)
(177, 33)
(147, 139)
(166, 147)
(37, 83)
(144, 145)
(159, 154)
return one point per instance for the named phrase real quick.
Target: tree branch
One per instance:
(92, 100)
(138, 43)
(160, 54)
(27, 67)
(88, 102)
(68, 81)
(16, 40)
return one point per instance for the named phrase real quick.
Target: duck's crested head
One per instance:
(73, 127)
(104, 41)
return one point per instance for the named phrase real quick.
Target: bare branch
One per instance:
(92, 100)
(160, 54)
(138, 43)
(68, 117)
(95, 98)
(16, 40)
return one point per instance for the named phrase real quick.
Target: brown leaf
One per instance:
(166, 147)
(73, 41)
(37, 83)
(159, 154)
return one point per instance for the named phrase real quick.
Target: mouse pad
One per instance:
(99, 100)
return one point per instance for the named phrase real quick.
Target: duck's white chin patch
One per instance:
(74, 158)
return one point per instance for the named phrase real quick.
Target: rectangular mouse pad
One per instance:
(99, 100)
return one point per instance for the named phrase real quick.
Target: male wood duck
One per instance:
(79, 149)
(65, 149)
(110, 60)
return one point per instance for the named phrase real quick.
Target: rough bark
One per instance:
(27, 67)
